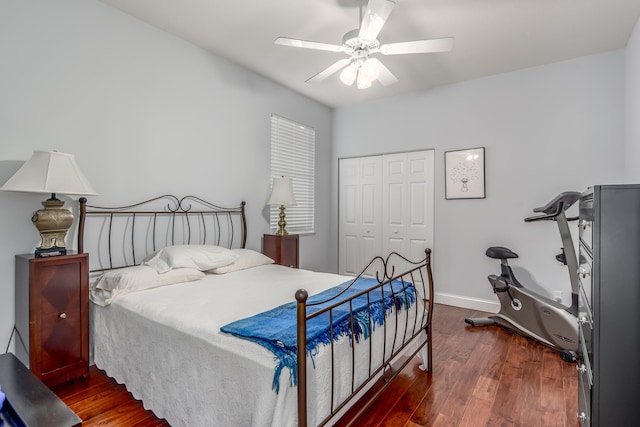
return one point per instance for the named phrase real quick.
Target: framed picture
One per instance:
(464, 174)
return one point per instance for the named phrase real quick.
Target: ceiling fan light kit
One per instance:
(363, 42)
(361, 69)
(363, 74)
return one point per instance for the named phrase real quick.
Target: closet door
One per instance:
(385, 205)
(408, 199)
(420, 188)
(359, 213)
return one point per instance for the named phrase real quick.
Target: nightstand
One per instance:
(282, 249)
(52, 316)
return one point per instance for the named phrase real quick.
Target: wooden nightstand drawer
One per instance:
(58, 286)
(52, 316)
(60, 343)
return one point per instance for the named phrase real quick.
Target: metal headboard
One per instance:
(123, 236)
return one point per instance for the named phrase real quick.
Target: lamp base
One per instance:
(52, 222)
(48, 252)
(282, 223)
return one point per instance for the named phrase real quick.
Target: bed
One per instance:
(184, 338)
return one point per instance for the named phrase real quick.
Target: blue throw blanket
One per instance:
(276, 329)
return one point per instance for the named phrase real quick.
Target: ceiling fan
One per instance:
(363, 42)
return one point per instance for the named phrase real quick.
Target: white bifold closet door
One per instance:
(386, 205)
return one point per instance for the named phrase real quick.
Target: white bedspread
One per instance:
(165, 345)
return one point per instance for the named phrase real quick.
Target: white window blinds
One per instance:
(293, 155)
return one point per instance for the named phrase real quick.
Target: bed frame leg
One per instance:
(426, 353)
(426, 360)
(301, 313)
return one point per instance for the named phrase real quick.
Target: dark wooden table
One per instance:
(29, 399)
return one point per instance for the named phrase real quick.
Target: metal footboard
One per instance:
(419, 274)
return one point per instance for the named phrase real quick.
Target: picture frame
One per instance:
(464, 174)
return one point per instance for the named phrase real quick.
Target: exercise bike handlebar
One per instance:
(555, 207)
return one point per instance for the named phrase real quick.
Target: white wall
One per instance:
(145, 113)
(547, 129)
(632, 107)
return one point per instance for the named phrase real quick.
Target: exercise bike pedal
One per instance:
(562, 257)
(480, 321)
(569, 356)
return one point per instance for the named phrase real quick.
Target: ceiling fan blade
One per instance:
(329, 70)
(419, 46)
(385, 77)
(374, 18)
(285, 41)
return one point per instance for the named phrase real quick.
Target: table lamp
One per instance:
(55, 173)
(282, 195)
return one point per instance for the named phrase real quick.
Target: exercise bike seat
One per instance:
(499, 252)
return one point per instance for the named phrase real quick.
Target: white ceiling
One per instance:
(491, 36)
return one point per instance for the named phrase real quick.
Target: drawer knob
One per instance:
(583, 223)
(62, 315)
(584, 272)
(582, 320)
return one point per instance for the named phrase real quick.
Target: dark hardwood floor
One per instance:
(481, 377)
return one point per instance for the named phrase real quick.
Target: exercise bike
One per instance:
(527, 313)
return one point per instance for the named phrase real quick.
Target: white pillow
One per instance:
(247, 258)
(200, 257)
(137, 278)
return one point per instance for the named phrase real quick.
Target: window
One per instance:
(293, 155)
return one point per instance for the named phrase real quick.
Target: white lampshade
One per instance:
(50, 172)
(282, 192)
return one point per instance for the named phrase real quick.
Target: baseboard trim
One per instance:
(467, 302)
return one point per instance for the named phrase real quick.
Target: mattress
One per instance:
(165, 345)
